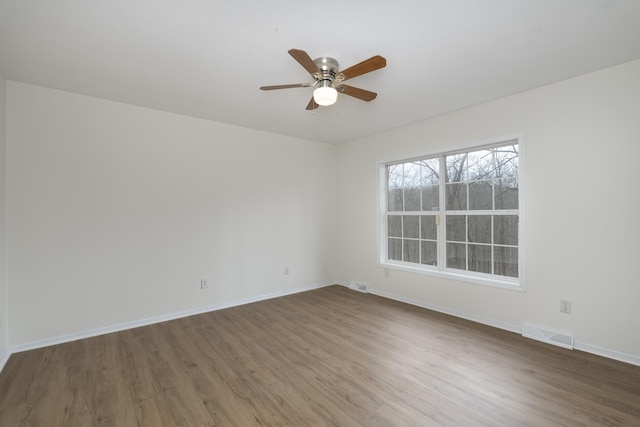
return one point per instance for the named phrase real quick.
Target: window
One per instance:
(456, 214)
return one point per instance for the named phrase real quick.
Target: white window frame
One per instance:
(511, 283)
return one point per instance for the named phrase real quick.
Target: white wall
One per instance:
(582, 142)
(116, 213)
(4, 291)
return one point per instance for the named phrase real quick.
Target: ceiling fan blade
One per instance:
(285, 86)
(362, 94)
(305, 60)
(312, 104)
(366, 66)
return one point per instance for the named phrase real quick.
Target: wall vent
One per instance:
(560, 339)
(360, 287)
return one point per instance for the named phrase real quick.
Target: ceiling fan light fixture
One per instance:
(327, 78)
(326, 94)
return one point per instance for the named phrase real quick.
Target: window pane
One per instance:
(505, 230)
(430, 171)
(480, 228)
(412, 186)
(506, 261)
(456, 167)
(394, 186)
(429, 255)
(506, 193)
(411, 226)
(412, 199)
(456, 228)
(456, 197)
(506, 161)
(394, 249)
(412, 173)
(411, 251)
(430, 198)
(394, 226)
(395, 199)
(480, 258)
(481, 195)
(456, 256)
(429, 229)
(480, 165)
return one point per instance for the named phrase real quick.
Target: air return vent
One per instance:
(560, 339)
(360, 287)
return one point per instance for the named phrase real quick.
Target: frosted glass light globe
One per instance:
(325, 95)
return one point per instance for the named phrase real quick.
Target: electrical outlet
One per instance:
(204, 284)
(286, 271)
(565, 306)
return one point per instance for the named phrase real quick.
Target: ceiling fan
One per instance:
(328, 78)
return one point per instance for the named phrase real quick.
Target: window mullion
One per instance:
(420, 208)
(402, 237)
(493, 217)
(442, 227)
(466, 235)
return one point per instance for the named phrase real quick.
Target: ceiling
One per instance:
(208, 58)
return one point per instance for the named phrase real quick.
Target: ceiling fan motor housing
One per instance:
(329, 69)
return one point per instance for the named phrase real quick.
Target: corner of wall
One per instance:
(4, 286)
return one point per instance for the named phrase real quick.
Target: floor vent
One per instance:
(360, 287)
(560, 339)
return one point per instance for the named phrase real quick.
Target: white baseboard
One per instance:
(604, 352)
(4, 360)
(577, 345)
(156, 319)
(478, 319)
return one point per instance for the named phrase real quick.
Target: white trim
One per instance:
(522, 209)
(4, 360)
(156, 319)
(577, 345)
(469, 277)
(382, 260)
(460, 147)
(605, 352)
(477, 319)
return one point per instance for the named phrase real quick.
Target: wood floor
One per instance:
(331, 357)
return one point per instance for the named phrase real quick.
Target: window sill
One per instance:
(513, 285)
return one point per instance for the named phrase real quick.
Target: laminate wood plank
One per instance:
(328, 357)
(254, 363)
(385, 378)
